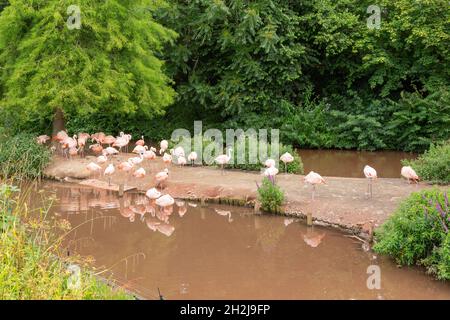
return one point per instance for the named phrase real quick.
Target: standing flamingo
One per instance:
(153, 194)
(139, 173)
(161, 177)
(109, 140)
(167, 159)
(314, 179)
(109, 171)
(224, 159)
(192, 157)
(140, 142)
(102, 159)
(409, 174)
(93, 168)
(42, 139)
(96, 148)
(140, 149)
(286, 158)
(370, 173)
(126, 166)
(269, 163)
(164, 145)
(271, 172)
(111, 151)
(181, 161)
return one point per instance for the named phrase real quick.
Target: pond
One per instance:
(221, 252)
(350, 163)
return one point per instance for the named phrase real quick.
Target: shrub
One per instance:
(22, 157)
(417, 233)
(434, 164)
(294, 167)
(32, 264)
(270, 195)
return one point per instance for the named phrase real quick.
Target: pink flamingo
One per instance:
(126, 166)
(111, 151)
(120, 142)
(93, 167)
(109, 140)
(270, 172)
(109, 171)
(181, 161)
(139, 173)
(42, 139)
(140, 149)
(102, 159)
(370, 173)
(96, 148)
(164, 145)
(153, 194)
(167, 159)
(314, 179)
(269, 163)
(224, 159)
(192, 157)
(140, 142)
(286, 158)
(409, 174)
(161, 177)
(165, 203)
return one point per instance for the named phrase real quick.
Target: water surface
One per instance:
(350, 163)
(220, 252)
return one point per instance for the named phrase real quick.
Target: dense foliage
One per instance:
(32, 265)
(111, 65)
(22, 157)
(418, 232)
(315, 70)
(270, 195)
(434, 164)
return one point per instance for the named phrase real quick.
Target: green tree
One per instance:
(110, 65)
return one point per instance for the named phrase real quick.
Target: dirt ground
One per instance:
(342, 202)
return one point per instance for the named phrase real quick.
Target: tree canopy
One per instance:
(313, 69)
(110, 65)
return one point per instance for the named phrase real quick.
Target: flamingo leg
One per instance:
(313, 192)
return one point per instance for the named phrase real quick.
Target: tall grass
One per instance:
(21, 157)
(32, 262)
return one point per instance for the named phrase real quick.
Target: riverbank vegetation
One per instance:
(312, 69)
(32, 262)
(418, 233)
(434, 164)
(270, 195)
(21, 157)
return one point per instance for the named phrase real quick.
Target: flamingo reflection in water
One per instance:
(182, 208)
(313, 238)
(224, 213)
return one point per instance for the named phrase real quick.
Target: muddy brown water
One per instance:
(221, 252)
(350, 163)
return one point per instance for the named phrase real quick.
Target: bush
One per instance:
(32, 264)
(270, 195)
(417, 233)
(22, 157)
(434, 164)
(294, 167)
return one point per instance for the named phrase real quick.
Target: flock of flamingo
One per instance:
(106, 146)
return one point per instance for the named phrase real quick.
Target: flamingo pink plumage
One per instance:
(224, 159)
(370, 173)
(314, 179)
(409, 174)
